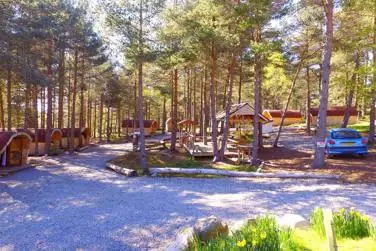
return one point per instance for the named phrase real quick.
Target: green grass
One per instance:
(362, 126)
(310, 240)
(347, 224)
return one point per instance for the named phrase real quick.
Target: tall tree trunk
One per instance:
(27, 107)
(82, 97)
(74, 94)
(43, 107)
(164, 115)
(194, 99)
(214, 127)
(95, 119)
(319, 159)
(119, 120)
(350, 96)
(174, 109)
(9, 95)
(206, 116)
(35, 120)
(100, 131)
(49, 98)
(257, 91)
(143, 157)
(202, 115)
(240, 79)
(108, 124)
(308, 105)
(60, 116)
(275, 144)
(227, 107)
(371, 135)
(2, 112)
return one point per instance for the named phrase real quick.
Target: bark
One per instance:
(143, 157)
(164, 115)
(371, 135)
(108, 124)
(240, 80)
(82, 97)
(119, 120)
(214, 127)
(69, 101)
(35, 120)
(308, 105)
(319, 159)
(49, 98)
(27, 107)
(257, 91)
(9, 95)
(350, 95)
(228, 104)
(95, 119)
(206, 111)
(43, 107)
(101, 118)
(275, 144)
(194, 99)
(202, 115)
(74, 93)
(174, 110)
(2, 112)
(60, 117)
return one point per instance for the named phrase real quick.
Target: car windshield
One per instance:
(346, 135)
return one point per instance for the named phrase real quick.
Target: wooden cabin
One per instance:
(77, 136)
(85, 136)
(14, 148)
(168, 125)
(334, 115)
(292, 117)
(130, 125)
(56, 136)
(242, 115)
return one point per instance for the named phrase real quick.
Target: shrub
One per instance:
(347, 223)
(263, 234)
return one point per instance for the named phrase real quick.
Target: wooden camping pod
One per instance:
(334, 115)
(38, 144)
(81, 137)
(130, 125)
(292, 117)
(14, 148)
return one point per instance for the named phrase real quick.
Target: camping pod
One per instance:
(77, 137)
(291, 117)
(85, 136)
(334, 115)
(168, 125)
(129, 126)
(14, 148)
(38, 144)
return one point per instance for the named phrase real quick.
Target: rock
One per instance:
(209, 228)
(237, 225)
(292, 221)
(183, 238)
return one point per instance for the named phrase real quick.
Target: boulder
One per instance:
(183, 238)
(209, 228)
(237, 225)
(292, 221)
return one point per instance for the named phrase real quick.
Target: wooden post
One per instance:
(329, 230)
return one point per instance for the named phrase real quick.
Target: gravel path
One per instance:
(74, 203)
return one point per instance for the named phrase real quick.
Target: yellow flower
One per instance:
(241, 243)
(254, 230)
(351, 212)
(263, 236)
(254, 243)
(357, 214)
(342, 210)
(365, 218)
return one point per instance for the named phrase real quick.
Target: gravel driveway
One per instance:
(74, 203)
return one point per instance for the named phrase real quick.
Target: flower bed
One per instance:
(353, 230)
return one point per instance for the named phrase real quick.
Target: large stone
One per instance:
(239, 224)
(209, 228)
(292, 221)
(183, 238)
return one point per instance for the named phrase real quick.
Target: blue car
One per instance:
(345, 141)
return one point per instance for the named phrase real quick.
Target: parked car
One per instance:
(345, 141)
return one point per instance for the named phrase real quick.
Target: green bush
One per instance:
(263, 234)
(347, 223)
